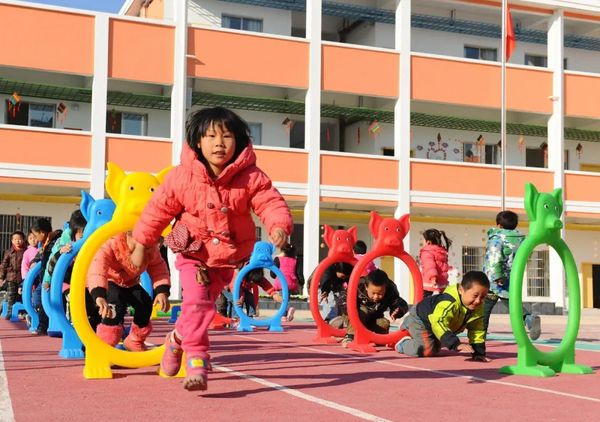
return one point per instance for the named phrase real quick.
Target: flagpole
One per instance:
(503, 142)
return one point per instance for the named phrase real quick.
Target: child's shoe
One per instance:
(134, 342)
(196, 373)
(399, 347)
(347, 340)
(171, 359)
(290, 314)
(110, 334)
(535, 327)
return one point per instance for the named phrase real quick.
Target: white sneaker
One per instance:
(399, 347)
(290, 313)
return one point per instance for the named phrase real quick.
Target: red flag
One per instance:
(511, 40)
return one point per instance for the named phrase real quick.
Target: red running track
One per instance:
(266, 376)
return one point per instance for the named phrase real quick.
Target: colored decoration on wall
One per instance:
(374, 129)
(579, 150)
(13, 104)
(113, 119)
(61, 111)
(288, 123)
(522, 144)
(437, 151)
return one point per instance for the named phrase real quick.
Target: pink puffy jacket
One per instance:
(434, 263)
(113, 262)
(213, 220)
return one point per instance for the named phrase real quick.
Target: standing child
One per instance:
(435, 321)
(287, 262)
(503, 242)
(211, 195)
(114, 283)
(29, 254)
(376, 294)
(10, 269)
(42, 229)
(434, 261)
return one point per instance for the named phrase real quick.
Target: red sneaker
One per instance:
(171, 360)
(196, 373)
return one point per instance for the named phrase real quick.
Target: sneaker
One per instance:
(399, 347)
(196, 373)
(535, 330)
(28, 320)
(347, 340)
(171, 359)
(290, 313)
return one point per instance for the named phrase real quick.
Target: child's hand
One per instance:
(277, 298)
(278, 237)
(162, 300)
(500, 282)
(480, 358)
(465, 348)
(46, 286)
(394, 314)
(66, 249)
(103, 310)
(323, 297)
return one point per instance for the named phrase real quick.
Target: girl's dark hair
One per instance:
(360, 247)
(76, 222)
(475, 277)
(42, 225)
(199, 122)
(20, 233)
(437, 237)
(289, 250)
(255, 275)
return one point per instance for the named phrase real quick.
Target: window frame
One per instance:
(480, 49)
(242, 19)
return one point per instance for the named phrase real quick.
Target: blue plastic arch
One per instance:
(261, 258)
(97, 213)
(146, 283)
(33, 273)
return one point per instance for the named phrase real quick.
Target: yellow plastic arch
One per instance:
(131, 193)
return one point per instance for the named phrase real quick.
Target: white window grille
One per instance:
(538, 274)
(472, 258)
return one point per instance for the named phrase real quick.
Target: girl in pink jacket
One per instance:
(114, 283)
(434, 261)
(210, 194)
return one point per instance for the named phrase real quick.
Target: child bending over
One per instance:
(376, 294)
(114, 283)
(436, 320)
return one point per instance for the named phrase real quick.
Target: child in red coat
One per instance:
(434, 261)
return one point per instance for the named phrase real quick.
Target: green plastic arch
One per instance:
(544, 211)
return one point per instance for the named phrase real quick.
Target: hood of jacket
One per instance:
(438, 252)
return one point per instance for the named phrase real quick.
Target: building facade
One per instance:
(354, 105)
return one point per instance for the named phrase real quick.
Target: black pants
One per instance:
(490, 301)
(90, 308)
(119, 298)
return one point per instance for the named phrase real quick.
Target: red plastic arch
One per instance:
(389, 234)
(340, 244)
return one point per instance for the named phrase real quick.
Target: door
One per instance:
(596, 285)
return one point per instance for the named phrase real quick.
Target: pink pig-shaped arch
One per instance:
(340, 242)
(389, 233)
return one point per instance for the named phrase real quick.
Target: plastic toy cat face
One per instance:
(96, 212)
(131, 192)
(262, 254)
(543, 209)
(340, 242)
(389, 232)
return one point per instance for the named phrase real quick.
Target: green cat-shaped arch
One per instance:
(544, 211)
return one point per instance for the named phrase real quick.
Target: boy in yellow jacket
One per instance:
(435, 321)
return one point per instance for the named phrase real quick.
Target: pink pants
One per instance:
(198, 306)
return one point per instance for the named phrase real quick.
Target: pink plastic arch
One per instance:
(389, 234)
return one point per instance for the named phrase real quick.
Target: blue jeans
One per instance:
(36, 300)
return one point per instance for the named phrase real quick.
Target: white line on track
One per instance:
(6, 410)
(446, 373)
(332, 405)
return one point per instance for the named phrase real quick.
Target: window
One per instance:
(256, 133)
(126, 123)
(534, 60)
(538, 274)
(537, 157)
(33, 114)
(472, 258)
(473, 153)
(11, 222)
(481, 53)
(540, 61)
(388, 152)
(246, 24)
